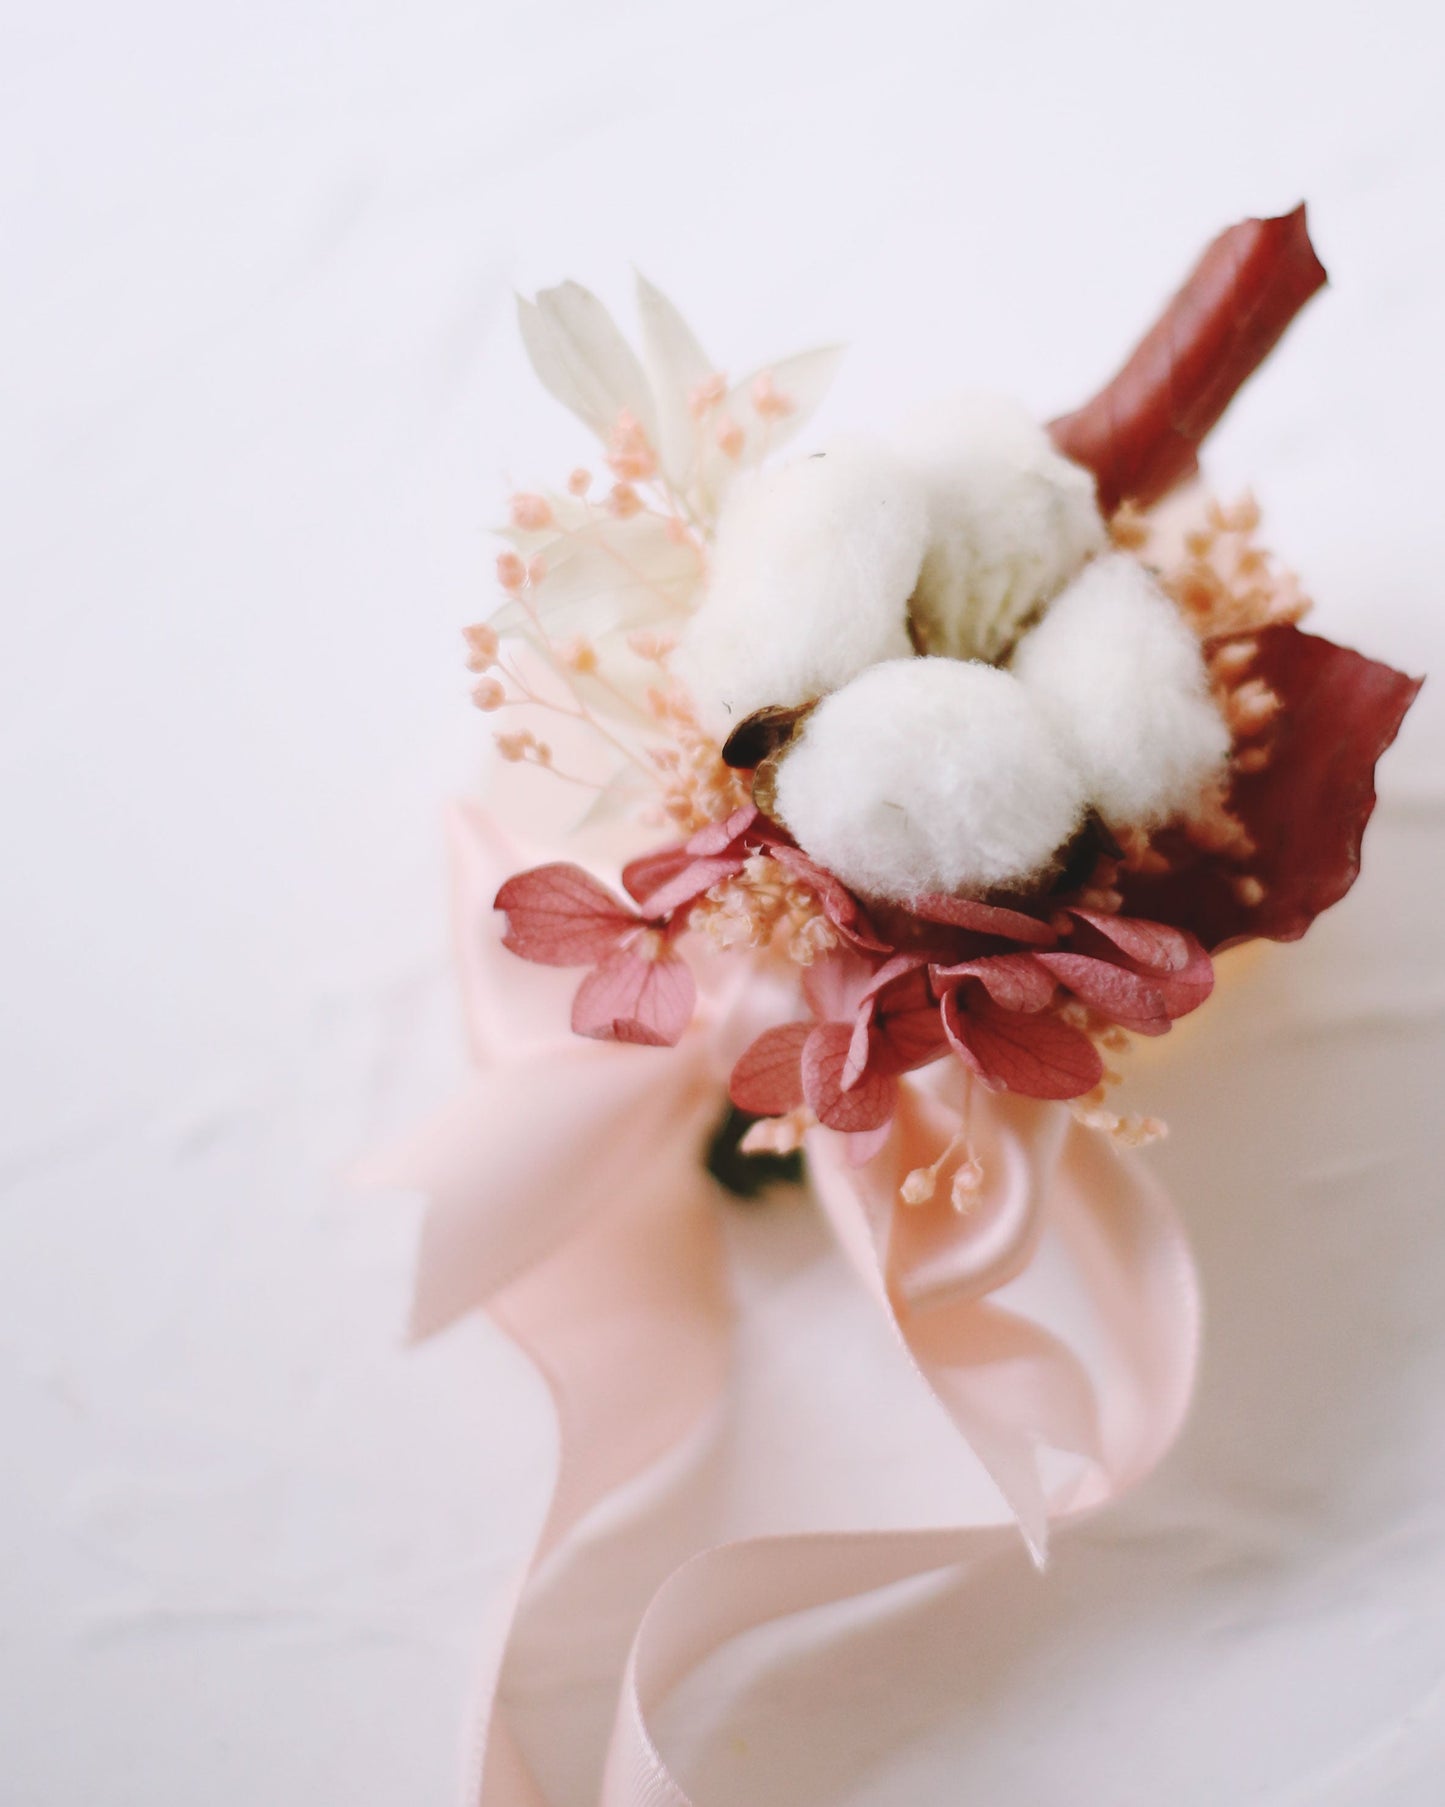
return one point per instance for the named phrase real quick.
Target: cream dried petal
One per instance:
(581, 357)
(676, 363)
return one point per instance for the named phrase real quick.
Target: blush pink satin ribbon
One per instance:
(567, 1200)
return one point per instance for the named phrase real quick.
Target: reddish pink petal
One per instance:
(898, 967)
(839, 904)
(860, 1046)
(634, 996)
(718, 837)
(695, 877)
(1116, 992)
(560, 916)
(985, 919)
(868, 1105)
(650, 871)
(1185, 991)
(1155, 946)
(908, 1023)
(1013, 981)
(1306, 809)
(1171, 961)
(1035, 1055)
(768, 1079)
(897, 1021)
(837, 985)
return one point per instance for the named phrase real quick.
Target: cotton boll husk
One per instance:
(1121, 678)
(811, 574)
(1010, 523)
(929, 775)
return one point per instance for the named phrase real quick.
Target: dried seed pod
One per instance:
(763, 733)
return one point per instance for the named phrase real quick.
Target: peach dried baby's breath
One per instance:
(762, 906)
(1224, 581)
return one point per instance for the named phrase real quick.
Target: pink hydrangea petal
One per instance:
(898, 967)
(696, 876)
(559, 915)
(867, 1106)
(985, 919)
(768, 1078)
(1116, 992)
(897, 1023)
(860, 1046)
(1185, 991)
(1035, 1055)
(837, 985)
(840, 906)
(718, 837)
(650, 871)
(636, 995)
(908, 1023)
(1155, 946)
(1013, 981)
(1170, 959)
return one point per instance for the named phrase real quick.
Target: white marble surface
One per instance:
(261, 394)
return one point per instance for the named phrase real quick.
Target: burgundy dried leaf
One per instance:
(768, 1078)
(635, 996)
(868, 1105)
(1306, 810)
(1037, 1056)
(1141, 433)
(1123, 996)
(560, 916)
(1013, 981)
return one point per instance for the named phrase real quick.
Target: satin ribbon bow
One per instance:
(567, 1198)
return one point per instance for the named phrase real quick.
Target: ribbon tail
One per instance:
(1009, 1385)
(640, 1290)
(734, 1588)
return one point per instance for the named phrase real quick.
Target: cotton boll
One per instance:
(1010, 523)
(1121, 678)
(811, 574)
(929, 775)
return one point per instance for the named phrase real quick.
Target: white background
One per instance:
(260, 398)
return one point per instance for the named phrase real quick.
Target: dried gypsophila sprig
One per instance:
(1034, 995)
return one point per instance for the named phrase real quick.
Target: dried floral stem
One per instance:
(580, 712)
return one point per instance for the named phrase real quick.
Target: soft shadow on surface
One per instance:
(1188, 1644)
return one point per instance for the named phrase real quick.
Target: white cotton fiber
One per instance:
(929, 775)
(811, 574)
(1121, 678)
(1010, 523)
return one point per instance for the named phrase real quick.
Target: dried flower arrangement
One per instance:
(982, 736)
(933, 771)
